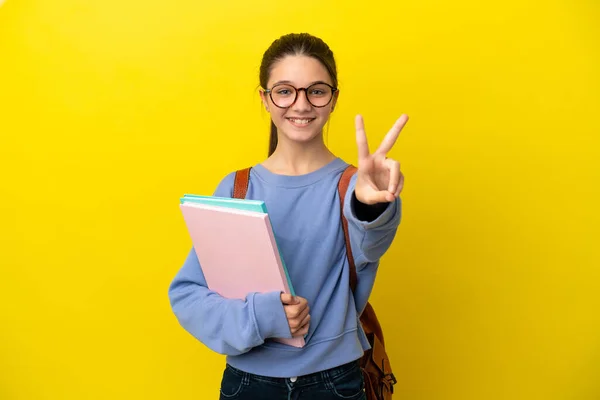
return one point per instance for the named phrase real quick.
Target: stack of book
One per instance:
(236, 248)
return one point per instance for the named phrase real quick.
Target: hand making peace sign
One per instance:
(379, 179)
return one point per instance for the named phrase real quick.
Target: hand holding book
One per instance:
(297, 313)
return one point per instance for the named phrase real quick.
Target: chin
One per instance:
(302, 136)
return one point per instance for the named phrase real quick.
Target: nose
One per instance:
(302, 103)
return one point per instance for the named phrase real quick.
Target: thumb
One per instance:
(382, 196)
(288, 299)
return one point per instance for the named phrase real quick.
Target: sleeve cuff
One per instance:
(270, 316)
(387, 215)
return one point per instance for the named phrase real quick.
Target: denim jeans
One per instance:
(343, 382)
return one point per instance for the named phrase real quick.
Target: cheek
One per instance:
(277, 113)
(324, 113)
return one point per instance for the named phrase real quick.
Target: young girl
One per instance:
(298, 183)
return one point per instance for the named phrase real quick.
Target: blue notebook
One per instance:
(239, 204)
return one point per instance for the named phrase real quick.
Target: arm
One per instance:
(372, 227)
(227, 326)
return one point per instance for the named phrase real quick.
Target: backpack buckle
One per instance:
(392, 381)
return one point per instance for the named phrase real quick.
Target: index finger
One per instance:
(390, 138)
(361, 137)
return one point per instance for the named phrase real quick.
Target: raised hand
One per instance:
(379, 179)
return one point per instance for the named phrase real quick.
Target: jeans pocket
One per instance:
(350, 385)
(232, 383)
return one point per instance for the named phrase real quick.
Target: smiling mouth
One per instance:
(300, 121)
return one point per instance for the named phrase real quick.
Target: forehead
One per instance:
(300, 71)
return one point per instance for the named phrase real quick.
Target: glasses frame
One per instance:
(298, 90)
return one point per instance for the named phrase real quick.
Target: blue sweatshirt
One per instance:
(305, 214)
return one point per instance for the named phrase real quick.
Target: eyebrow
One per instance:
(290, 83)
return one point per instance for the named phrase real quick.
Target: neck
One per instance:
(293, 158)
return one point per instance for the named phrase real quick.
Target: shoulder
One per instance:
(347, 171)
(225, 186)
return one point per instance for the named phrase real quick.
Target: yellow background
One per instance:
(110, 110)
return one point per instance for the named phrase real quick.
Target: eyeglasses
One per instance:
(318, 94)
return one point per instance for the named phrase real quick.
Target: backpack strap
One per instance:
(241, 182)
(343, 184)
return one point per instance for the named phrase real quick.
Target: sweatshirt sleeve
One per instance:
(371, 239)
(227, 326)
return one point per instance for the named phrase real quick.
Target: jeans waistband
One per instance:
(304, 379)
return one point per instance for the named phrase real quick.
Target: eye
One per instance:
(284, 92)
(319, 90)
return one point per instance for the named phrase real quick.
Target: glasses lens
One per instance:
(283, 95)
(319, 94)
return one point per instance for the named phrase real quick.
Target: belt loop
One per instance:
(326, 379)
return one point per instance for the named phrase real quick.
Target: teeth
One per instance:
(300, 121)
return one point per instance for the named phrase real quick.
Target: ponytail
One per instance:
(272, 139)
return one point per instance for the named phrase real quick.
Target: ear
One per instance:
(335, 98)
(264, 98)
